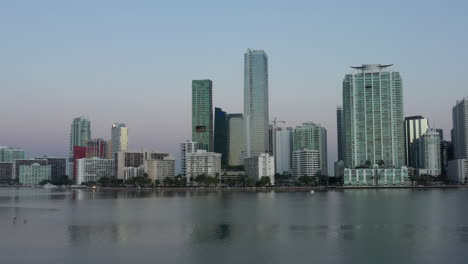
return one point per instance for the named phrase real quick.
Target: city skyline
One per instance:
(297, 72)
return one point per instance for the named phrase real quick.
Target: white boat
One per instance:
(49, 186)
(312, 192)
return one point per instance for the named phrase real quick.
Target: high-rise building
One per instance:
(457, 171)
(236, 140)
(221, 135)
(256, 102)
(93, 169)
(80, 132)
(305, 163)
(97, 148)
(373, 117)
(202, 113)
(78, 153)
(127, 162)
(6, 172)
(262, 165)
(202, 162)
(34, 174)
(339, 132)
(159, 169)
(58, 168)
(312, 136)
(119, 137)
(460, 129)
(10, 154)
(415, 127)
(283, 149)
(186, 148)
(428, 154)
(446, 154)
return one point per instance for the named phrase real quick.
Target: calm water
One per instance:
(384, 226)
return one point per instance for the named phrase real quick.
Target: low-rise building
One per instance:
(124, 160)
(457, 171)
(34, 174)
(376, 176)
(159, 169)
(91, 170)
(202, 162)
(260, 166)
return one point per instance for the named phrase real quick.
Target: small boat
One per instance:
(312, 192)
(49, 186)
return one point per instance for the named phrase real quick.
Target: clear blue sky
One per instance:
(133, 62)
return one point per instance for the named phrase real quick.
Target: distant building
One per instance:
(26, 162)
(97, 148)
(260, 166)
(460, 129)
(446, 154)
(80, 134)
(34, 174)
(10, 154)
(186, 148)
(458, 171)
(306, 163)
(339, 168)
(119, 137)
(428, 153)
(312, 136)
(339, 132)
(202, 162)
(202, 113)
(415, 127)
(58, 167)
(78, 153)
(6, 172)
(376, 177)
(221, 135)
(127, 162)
(236, 140)
(132, 172)
(283, 149)
(159, 169)
(93, 169)
(256, 102)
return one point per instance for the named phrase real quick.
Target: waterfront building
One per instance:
(58, 167)
(262, 165)
(460, 129)
(373, 117)
(283, 149)
(159, 169)
(376, 176)
(6, 172)
(457, 171)
(119, 137)
(312, 136)
(339, 168)
(92, 169)
(236, 139)
(10, 154)
(256, 102)
(78, 153)
(125, 160)
(80, 132)
(446, 154)
(415, 127)
(26, 162)
(132, 172)
(339, 132)
(34, 174)
(221, 135)
(306, 163)
(202, 113)
(231, 175)
(186, 148)
(428, 153)
(97, 148)
(202, 162)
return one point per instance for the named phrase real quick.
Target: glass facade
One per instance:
(221, 135)
(202, 113)
(236, 139)
(80, 132)
(415, 127)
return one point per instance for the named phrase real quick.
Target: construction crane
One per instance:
(275, 121)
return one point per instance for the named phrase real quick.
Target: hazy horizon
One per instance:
(133, 62)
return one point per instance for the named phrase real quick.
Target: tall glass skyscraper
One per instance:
(80, 132)
(221, 135)
(460, 129)
(373, 117)
(256, 102)
(236, 139)
(415, 127)
(339, 131)
(202, 113)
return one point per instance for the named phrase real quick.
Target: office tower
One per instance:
(415, 127)
(10, 154)
(185, 148)
(262, 165)
(446, 154)
(428, 153)
(119, 137)
(460, 129)
(339, 132)
(312, 136)
(6, 172)
(93, 169)
(256, 102)
(221, 135)
(236, 139)
(202, 162)
(202, 113)
(26, 162)
(373, 117)
(34, 174)
(129, 164)
(80, 132)
(283, 149)
(97, 148)
(306, 163)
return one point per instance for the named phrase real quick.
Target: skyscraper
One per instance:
(311, 136)
(236, 139)
(415, 127)
(256, 102)
(202, 113)
(221, 135)
(373, 117)
(186, 148)
(428, 154)
(80, 132)
(460, 129)
(283, 150)
(97, 148)
(339, 131)
(119, 138)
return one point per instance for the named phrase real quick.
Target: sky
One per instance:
(133, 62)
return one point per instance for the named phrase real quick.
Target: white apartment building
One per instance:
(202, 162)
(260, 166)
(185, 148)
(93, 169)
(159, 169)
(305, 162)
